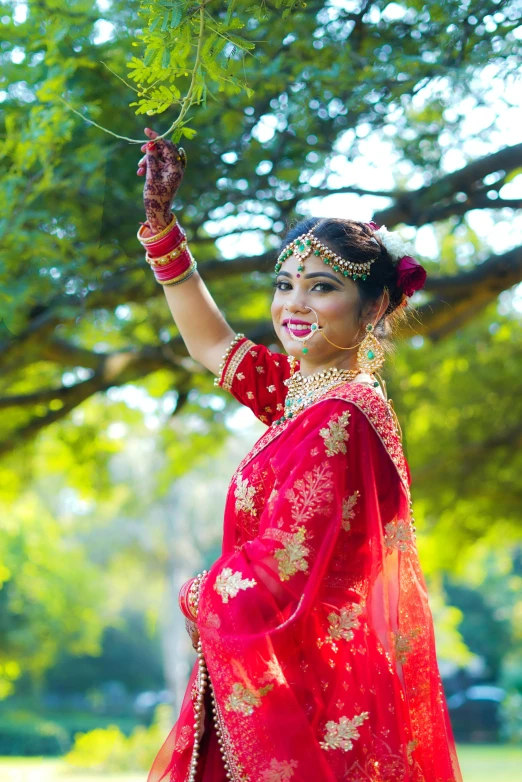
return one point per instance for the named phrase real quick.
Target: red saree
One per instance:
(314, 623)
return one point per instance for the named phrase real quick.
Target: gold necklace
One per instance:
(304, 391)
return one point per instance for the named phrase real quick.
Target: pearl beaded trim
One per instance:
(218, 378)
(193, 594)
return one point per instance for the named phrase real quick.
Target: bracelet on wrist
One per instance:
(174, 268)
(145, 240)
(182, 277)
(163, 260)
(166, 245)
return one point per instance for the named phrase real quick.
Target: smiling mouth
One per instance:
(300, 330)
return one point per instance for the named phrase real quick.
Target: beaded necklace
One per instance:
(304, 391)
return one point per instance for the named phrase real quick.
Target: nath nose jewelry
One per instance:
(314, 328)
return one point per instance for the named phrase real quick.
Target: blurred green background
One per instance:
(116, 449)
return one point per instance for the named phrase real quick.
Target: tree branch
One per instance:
(414, 207)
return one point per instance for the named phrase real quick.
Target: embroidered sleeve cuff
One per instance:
(235, 353)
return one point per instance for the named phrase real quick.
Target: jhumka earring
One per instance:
(370, 356)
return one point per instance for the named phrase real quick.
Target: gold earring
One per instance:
(370, 356)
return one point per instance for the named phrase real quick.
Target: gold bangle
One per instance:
(163, 260)
(160, 235)
(182, 277)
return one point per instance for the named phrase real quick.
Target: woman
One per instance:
(316, 653)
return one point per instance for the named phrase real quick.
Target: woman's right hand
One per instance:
(163, 166)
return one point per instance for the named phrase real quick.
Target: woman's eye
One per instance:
(324, 285)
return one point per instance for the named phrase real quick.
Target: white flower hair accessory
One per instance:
(394, 243)
(411, 275)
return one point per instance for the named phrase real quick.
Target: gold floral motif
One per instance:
(343, 623)
(271, 389)
(240, 376)
(183, 739)
(348, 510)
(244, 495)
(311, 494)
(213, 620)
(342, 734)
(412, 746)
(279, 771)
(335, 435)
(273, 673)
(260, 370)
(292, 557)
(250, 395)
(402, 644)
(398, 535)
(244, 700)
(228, 584)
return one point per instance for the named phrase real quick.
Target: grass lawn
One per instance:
(480, 763)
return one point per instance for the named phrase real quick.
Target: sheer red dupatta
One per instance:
(317, 632)
(269, 611)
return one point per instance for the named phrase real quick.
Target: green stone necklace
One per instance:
(304, 391)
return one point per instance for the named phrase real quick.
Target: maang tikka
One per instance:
(308, 243)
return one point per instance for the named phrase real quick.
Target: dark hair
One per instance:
(357, 242)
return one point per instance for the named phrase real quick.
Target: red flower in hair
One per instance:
(411, 276)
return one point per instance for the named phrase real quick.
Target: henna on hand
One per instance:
(164, 165)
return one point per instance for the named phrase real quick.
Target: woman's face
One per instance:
(334, 298)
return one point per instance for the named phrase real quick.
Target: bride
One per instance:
(314, 638)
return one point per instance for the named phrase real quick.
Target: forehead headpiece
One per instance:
(308, 243)
(411, 276)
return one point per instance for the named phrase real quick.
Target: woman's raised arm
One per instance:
(203, 328)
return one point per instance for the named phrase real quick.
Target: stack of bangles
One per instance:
(167, 253)
(189, 595)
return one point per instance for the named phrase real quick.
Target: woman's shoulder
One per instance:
(366, 408)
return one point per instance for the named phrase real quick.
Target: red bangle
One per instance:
(175, 268)
(167, 244)
(182, 599)
(189, 596)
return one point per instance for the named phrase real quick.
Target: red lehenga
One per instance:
(314, 623)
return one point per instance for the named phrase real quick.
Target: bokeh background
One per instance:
(116, 449)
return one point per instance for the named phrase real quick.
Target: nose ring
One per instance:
(314, 328)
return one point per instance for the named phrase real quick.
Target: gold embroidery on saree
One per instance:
(398, 535)
(228, 584)
(412, 746)
(244, 700)
(343, 623)
(403, 644)
(279, 771)
(348, 510)
(244, 495)
(335, 435)
(311, 494)
(183, 740)
(292, 557)
(342, 734)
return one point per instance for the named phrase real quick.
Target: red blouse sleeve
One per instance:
(255, 376)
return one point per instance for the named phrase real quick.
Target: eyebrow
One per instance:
(315, 274)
